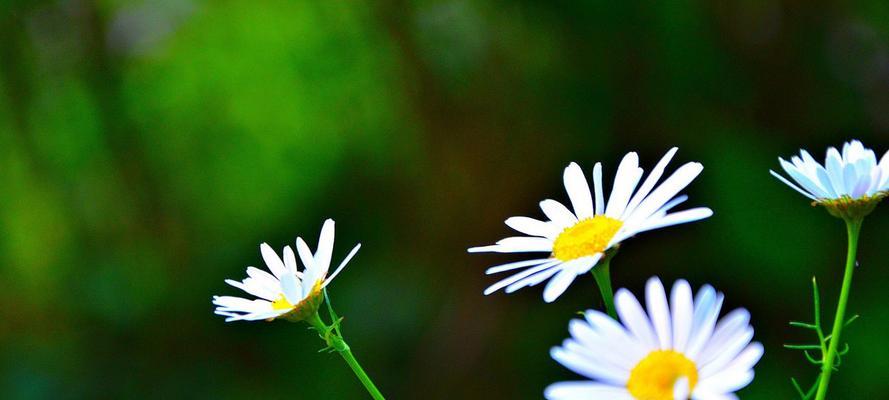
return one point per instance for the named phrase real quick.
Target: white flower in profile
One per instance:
(676, 350)
(850, 183)
(286, 292)
(576, 241)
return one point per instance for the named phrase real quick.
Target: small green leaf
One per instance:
(812, 359)
(803, 325)
(802, 346)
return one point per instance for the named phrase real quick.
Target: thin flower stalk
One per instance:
(333, 337)
(853, 228)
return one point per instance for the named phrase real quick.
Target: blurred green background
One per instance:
(148, 147)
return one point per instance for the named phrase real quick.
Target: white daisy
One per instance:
(854, 174)
(286, 292)
(675, 351)
(577, 240)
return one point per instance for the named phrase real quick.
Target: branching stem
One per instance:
(335, 342)
(853, 227)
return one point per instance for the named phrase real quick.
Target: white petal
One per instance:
(255, 289)
(808, 184)
(531, 280)
(585, 390)
(599, 366)
(659, 312)
(876, 180)
(681, 389)
(725, 350)
(680, 217)
(820, 174)
(795, 187)
(884, 167)
(705, 394)
(584, 264)
(850, 177)
(517, 264)
(649, 182)
(670, 204)
(862, 186)
(728, 382)
(272, 260)
(257, 316)
(291, 287)
(707, 305)
(616, 334)
(342, 264)
(666, 191)
(597, 186)
(729, 326)
(264, 279)
(683, 311)
(325, 247)
(601, 345)
(232, 303)
(518, 244)
(533, 227)
(745, 360)
(834, 166)
(558, 213)
(625, 180)
(289, 259)
(558, 285)
(634, 318)
(521, 243)
(305, 254)
(581, 365)
(728, 350)
(517, 277)
(578, 191)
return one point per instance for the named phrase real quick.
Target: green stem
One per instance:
(602, 273)
(853, 227)
(359, 372)
(336, 342)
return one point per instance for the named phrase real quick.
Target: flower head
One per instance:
(286, 292)
(676, 350)
(849, 184)
(576, 241)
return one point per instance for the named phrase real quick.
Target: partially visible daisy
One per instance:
(676, 350)
(286, 292)
(848, 184)
(576, 241)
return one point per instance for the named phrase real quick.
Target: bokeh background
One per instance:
(148, 147)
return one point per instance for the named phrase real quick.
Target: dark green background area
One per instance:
(148, 148)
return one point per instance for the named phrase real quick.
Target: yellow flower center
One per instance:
(855, 209)
(653, 378)
(302, 310)
(281, 303)
(587, 237)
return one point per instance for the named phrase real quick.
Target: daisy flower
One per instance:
(286, 292)
(674, 351)
(850, 183)
(577, 240)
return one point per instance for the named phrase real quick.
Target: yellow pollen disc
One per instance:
(587, 237)
(653, 378)
(281, 303)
